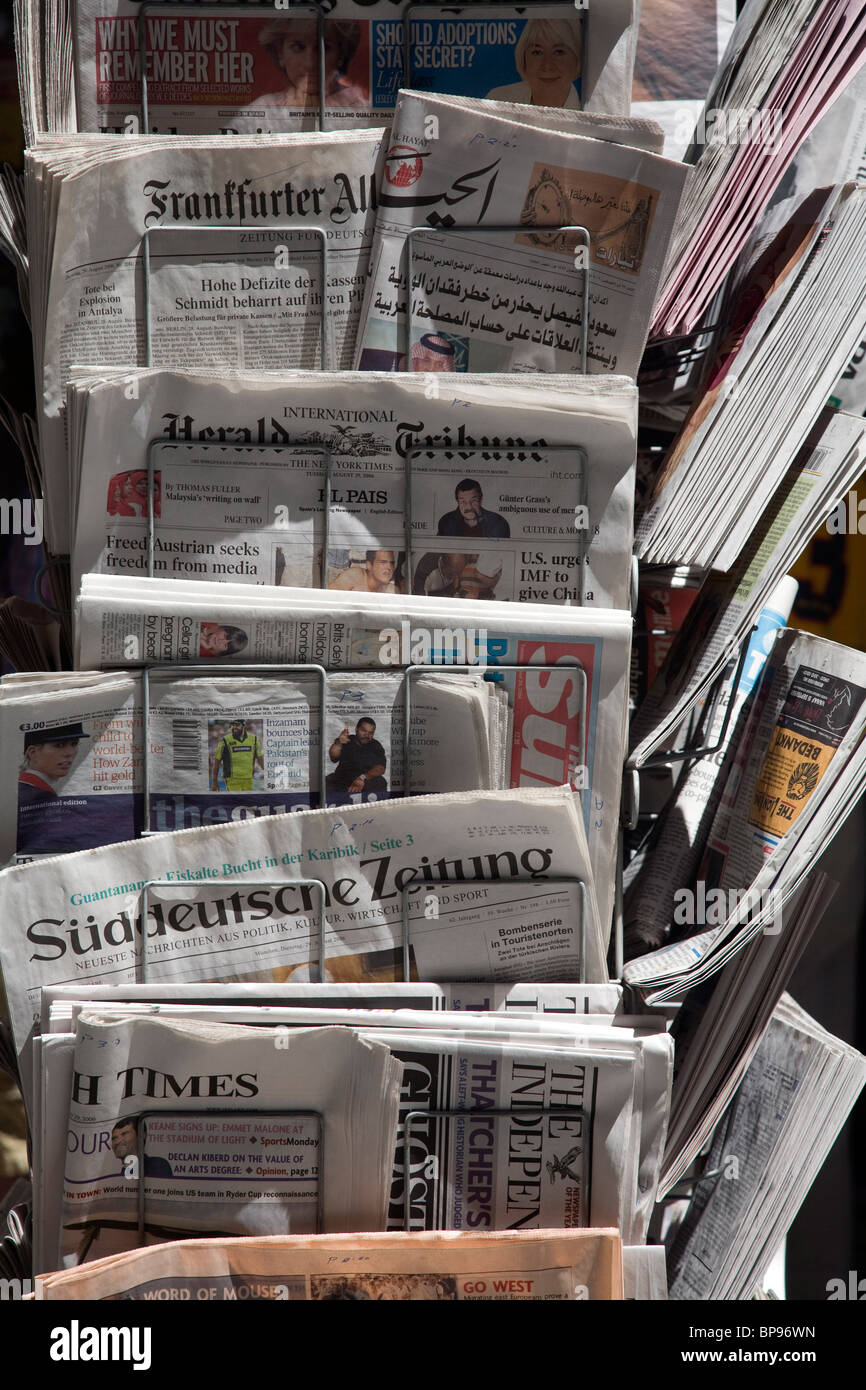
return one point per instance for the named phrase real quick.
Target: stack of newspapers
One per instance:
(507, 1119)
(335, 968)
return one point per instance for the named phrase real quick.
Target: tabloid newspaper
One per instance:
(134, 621)
(219, 1132)
(489, 301)
(530, 480)
(220, 68)
(807, 704)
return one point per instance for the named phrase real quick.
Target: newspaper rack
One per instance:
(529, 229)
(661, 355)
(560, 880)
(138, 1175)
(446, 451)
(575, 764)
(291, 447)
(679, 755)
(316, 9)
(322, 676)
(631, 814)
(144, 893)
(281, 446)
(52, 565)
(262, 7)
(194, 669)
(211, 229)
(203, 668)
(546, 1112)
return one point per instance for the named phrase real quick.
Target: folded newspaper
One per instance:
(791, 329)
(445, 1266)
(125, 621)
(833, 153)
(785, 1117)
(783, 69)
(62, 1003)
(192, 251)
(719, 1026)
(523, 1016)
(483, 289)
(351, 482)
(295, 1139)
(47, 1082)
(676, 846)
(316, 894)
(224, 69)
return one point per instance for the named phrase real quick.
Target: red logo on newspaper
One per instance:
(546, 749)
(403, 166)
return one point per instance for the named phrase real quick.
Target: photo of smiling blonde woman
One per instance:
(549, 58)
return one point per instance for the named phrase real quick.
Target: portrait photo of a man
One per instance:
(124, 1144)
(469, 517)
(377, 575)
(237, 758)
(361, 763)
(433, 353)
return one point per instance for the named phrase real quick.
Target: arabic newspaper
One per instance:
(486, 301)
